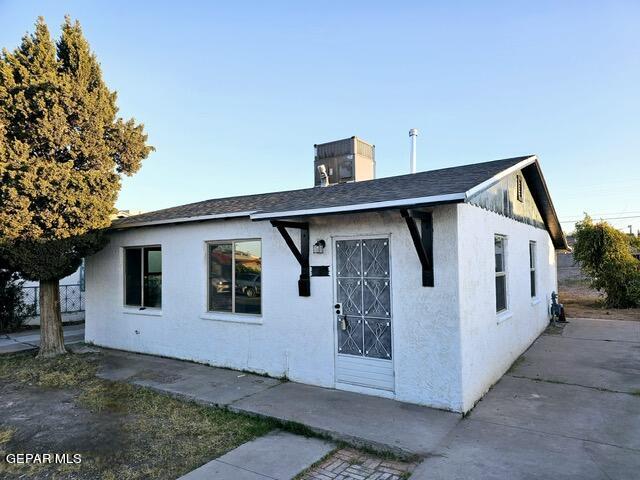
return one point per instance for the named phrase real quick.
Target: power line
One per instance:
(626, 212)
(601, 218)
(608, 214)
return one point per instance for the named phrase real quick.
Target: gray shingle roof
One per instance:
(446, 181)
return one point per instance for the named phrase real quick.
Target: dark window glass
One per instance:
(501, 274)
(220, 276)
(533, 283)
(499, 244)
(531, 255)
(532, 267)
(133, 277)
(152, 277)
(143, 277)
(248, 267)
(501, 293)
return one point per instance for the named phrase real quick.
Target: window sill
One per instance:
(503, 316)
(232, 318)
(536, 301)
(147, 312)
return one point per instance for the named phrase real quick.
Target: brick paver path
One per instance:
(350, 464)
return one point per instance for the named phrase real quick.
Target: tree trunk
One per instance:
(51, 337)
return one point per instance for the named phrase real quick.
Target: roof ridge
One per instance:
(338, 185)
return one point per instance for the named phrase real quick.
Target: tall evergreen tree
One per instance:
(63, 149)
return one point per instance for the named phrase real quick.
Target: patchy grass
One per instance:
(5, 435)
(61, 372)
(157, 436)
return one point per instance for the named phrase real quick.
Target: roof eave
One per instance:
(499, 176)
(199, 218)
(551, 218)
(340, 209)
(364, 207)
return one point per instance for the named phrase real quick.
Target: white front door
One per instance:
(364, 340)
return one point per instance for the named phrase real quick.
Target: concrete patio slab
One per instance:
(592, 329)
(578, 412)
(278, 455)
(611, 365)
(480, 450)
(363, 420)
(201, 383)
(532, 428)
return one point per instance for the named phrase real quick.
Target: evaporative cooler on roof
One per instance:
(348, 160)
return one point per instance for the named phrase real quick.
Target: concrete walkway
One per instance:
(359, 419)
(278, 455)
(569, 409)
(30, 339)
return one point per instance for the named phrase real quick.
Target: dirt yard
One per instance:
(581, 301)
(121, 431)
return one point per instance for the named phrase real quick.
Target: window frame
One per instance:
(142, 249)
(533, 272)
(503, 273)
(231, 242)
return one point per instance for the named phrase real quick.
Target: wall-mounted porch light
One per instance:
(318, 247)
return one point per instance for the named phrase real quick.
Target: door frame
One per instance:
(354, 387)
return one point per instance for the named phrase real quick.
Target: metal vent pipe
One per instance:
(413, 134)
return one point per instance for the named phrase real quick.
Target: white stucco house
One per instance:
(423, 288)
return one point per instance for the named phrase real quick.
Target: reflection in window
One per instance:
(220, 277)
(152, 296)
(143, 277)
(235, 270)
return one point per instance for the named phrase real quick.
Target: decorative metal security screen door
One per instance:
(364, 353)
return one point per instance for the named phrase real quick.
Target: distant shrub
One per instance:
(13, 310)
(604, 255)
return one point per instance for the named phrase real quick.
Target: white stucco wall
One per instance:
(295, 336)
(449, 344)
(491, 342)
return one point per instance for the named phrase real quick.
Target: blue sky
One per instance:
(235, 94)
